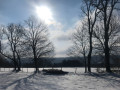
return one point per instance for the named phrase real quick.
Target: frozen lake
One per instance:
(72, 69)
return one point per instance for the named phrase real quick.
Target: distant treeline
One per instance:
(68, 62)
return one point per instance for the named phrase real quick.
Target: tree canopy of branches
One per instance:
(98, 15)
(80, 44)
(113, 35)
(14, 34)
(91, 12)
(106, 9)
(36, 37)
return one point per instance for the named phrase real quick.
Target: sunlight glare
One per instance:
(44, 13)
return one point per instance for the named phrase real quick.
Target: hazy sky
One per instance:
(60, 15)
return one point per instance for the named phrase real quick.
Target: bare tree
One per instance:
(80, 44)
(91, 12)
(107, 8)
(13, 33)
(114, 38)
(36, 37)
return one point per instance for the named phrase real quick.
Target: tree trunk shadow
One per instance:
(18, 81)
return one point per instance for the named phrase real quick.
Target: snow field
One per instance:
(71, 81)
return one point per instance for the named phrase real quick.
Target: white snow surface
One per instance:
(71, 81)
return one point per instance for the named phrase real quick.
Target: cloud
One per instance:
(63, 38)
(60, 38)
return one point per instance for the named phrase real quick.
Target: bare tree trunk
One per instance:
(35, 61)
(89, 54)
(19, 66)
(19, 61)
(85, 61)
(107, 53)
(0, 47)
(15, 64)
(36, 65)
(85, 65)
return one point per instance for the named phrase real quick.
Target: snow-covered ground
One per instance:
(71, 81)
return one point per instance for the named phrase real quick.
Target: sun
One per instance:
(44, 13)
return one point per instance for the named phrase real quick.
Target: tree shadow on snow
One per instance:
(17, 82)
(28, 83)
(109, 77)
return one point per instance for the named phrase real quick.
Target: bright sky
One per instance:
(60, 15)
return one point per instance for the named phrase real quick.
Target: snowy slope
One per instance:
(71, 81)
